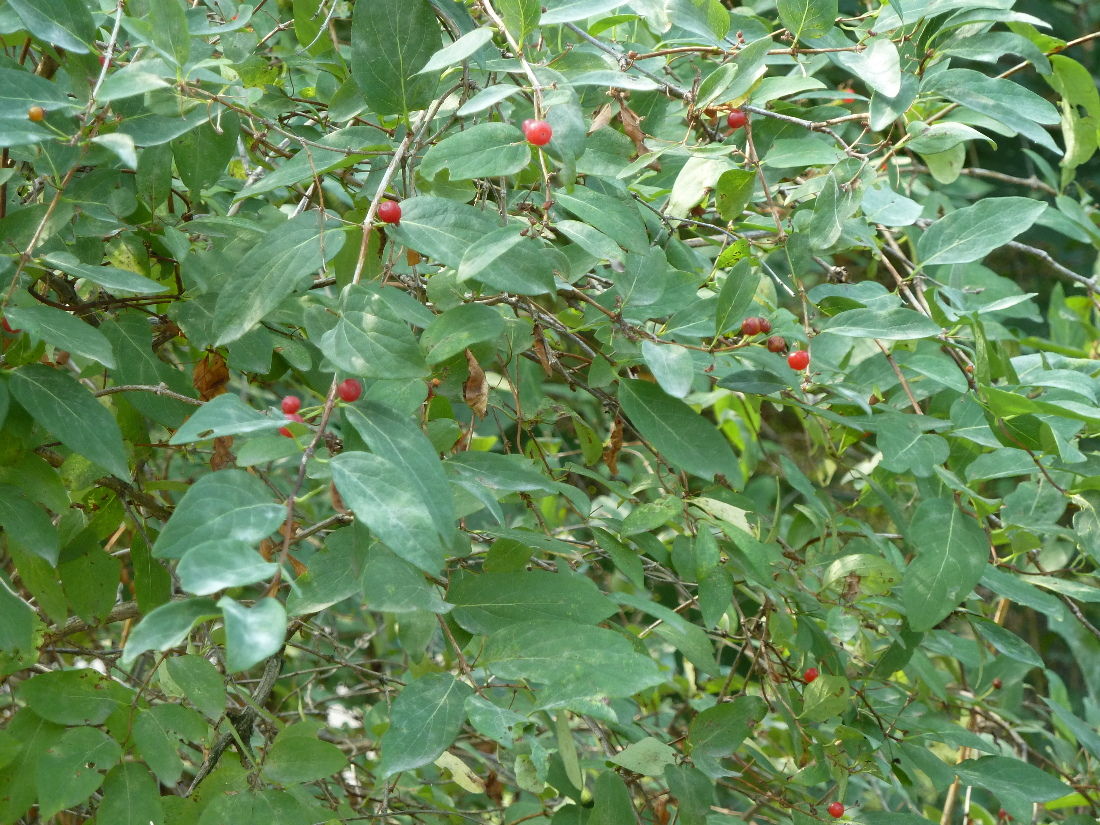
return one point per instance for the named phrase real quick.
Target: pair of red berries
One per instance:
(754, 325)
(799, 359)
(349, 390)
(537, 132)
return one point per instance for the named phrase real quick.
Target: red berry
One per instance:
(809, 674)
(291, 404)
(836, 810)
(798, 360)
(997, 683)
(36, 114)
(389, 212)
(349, 389)
(537, 132)
(765, 325)
(291, 417)
(527, 124)
(750, 326)
(777, 343)
(736, 119)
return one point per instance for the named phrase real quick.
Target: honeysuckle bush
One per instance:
(582, 553)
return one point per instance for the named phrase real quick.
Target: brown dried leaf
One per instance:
(210, 376)
(601, 118)
(614, 444)
(476, 389)
(541, 351)
(223, 453)
(632, 125)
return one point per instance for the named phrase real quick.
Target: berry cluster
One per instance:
(799, 359)
(348, 390)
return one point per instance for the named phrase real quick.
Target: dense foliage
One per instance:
(583, 412)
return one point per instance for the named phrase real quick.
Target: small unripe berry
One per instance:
(349, 389)
(291, 404)
(836, 810)
(798, 360)
(389, 212)
(750, 326)
(736, 119)
(810, 674)
(777, 343)
(537, 132)
(36, 114)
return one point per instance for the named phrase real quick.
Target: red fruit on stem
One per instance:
(777, 343)
(765, 325)
(809, 674)
(736, 119)
(798, 360)
(750, 326)
(997, 683)
(349, 389)
(836, 810)
(389, 212)
(291, 404)
(537, 132)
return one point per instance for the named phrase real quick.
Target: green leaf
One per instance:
(73, 697)
(61, 330)
(999, 98)
(971, 233)
(807, 18)
(130, 797)
(1008, 776)
(166, 626)
(370, 340)
(280, 263)
(735, 296)
(611, 803)
(18, 623)
(314, 160)
(79, 756)
(424, 721)
(718, 731)
(614, 217)
(158, 733)
(951, 556)
(377, 491)
(167, 23)
(896, 324)
(566, 11)
(508, 261)
(252, 634)
(733, 191)
(69, 412)
(245, 807)
(929, 139)
(28, 525)
(229, 504)
(441, 229)
(520, 17)
(648, 756)
(199, 681)
(297, 755)
(217, 564)
(487, 602)
(110, 278)
(391, 584)
(63, 23)
(487, 150)
(459, 328)
(391, 41)
(458, 51)
(575, 662)
(223, 415)
(906, 449)
(693, 791)
(21, 89)
(677, 432)
(672, 366)
(883, 205)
